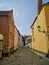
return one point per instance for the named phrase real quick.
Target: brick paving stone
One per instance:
(24, 56)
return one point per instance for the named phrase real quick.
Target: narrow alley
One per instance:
(24, 56)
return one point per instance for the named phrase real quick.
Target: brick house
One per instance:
(7, 29)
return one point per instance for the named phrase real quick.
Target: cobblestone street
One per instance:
(24, 57)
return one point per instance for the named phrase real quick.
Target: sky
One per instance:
(24, 12)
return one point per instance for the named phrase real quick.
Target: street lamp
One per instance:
(38, 28)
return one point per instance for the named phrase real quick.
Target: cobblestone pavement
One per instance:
(24, 56)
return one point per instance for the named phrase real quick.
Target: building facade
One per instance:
(15, 38)
(40, 30)
(28, 41)
(7, 29)
(20, 41)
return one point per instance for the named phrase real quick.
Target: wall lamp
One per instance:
(39, 29)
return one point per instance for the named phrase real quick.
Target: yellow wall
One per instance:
(47, 20)
(1, 37)
(39, 39)
(15, 38)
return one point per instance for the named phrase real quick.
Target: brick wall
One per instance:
(7, 29)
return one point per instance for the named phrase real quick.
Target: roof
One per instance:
(19, 33)
(39, 13)
(5, 12)
(34, 21)
(46, 4)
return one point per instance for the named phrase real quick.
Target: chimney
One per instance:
(39, 6)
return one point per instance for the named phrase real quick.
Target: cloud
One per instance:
(1, 5)
(18, 13)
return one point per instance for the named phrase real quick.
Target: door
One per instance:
(1, 48)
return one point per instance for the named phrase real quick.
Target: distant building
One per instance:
(40, 30)
(28, 41)
(7, 29)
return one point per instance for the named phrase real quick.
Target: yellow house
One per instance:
(15, 38)
(40, 30)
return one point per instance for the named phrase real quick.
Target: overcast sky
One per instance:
(24, 11)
